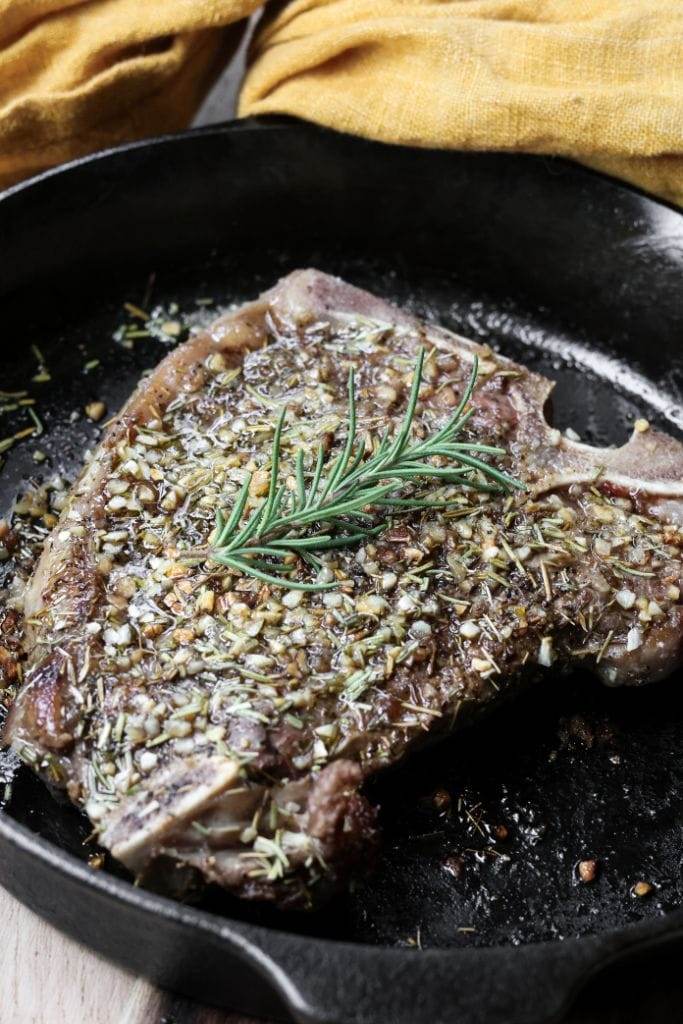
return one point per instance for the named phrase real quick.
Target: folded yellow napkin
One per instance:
(80, 75)
(597, 80)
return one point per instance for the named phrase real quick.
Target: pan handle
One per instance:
(332, 984)
(281, 976)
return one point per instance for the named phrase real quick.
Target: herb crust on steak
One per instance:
(205, 716)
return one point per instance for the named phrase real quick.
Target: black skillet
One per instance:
(572, 272)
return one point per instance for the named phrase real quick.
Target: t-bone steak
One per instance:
(208, 718)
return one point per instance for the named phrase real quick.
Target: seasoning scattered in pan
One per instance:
(95, 411)
(587, 870)
(43, 375)
(162, 324)
(641, 889)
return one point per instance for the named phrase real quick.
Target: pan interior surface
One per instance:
(482, 835)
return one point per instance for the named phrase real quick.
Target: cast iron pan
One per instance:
(578, 276)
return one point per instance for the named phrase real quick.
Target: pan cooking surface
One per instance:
(482, 834)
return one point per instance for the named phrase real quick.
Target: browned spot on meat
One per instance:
(77, 579)
(386, 554)
(45, 718)
(495, 413)
(445, 398)
(338, 816)
(288, 742)
(9, 668)
(454, 865)
(398, 535)
(10, 647)
(9, 538)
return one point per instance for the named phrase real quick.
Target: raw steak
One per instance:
(225, 724)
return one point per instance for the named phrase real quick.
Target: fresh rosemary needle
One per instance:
(348, 497)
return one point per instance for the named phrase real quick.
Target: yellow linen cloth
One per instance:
(81, 75)
(600, 81)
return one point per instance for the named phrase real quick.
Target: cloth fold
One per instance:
(600, 81)
(81, 75)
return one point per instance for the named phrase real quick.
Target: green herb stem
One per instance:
(346, 497)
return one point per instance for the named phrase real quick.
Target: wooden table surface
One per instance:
(46, 978)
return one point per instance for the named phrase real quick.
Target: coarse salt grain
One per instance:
(469, 629)
(546, 654)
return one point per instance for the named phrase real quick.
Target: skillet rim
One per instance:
(284, 122)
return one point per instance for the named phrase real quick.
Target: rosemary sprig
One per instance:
(340, 505)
